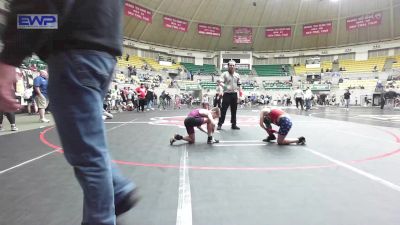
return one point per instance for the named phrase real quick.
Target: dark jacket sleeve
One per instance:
(20, 43)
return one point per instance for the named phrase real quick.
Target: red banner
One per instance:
(242, 35)
(210, 30)
(273, 32)
(175, 23)
(317, 28)
(138, 12)
(373, 19)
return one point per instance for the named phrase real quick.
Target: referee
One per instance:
(230, 82)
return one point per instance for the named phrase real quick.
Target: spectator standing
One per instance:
(218, 94)
(346, 97)
(40, 84)
(149, 99)
(10, 115)
(308, 96)
(81, 58)
(11, 119)
(141, 91)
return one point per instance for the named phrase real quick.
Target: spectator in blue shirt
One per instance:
(40, 86)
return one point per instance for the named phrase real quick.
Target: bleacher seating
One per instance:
(208, 85)
(247, 87)
(397, 64)
(362, 66)
(301, 70)
(40, 65)
(191, 87)
(139, 62)
(133, 61)
(271, 70)
(326, 65)
(243, 71)
(240, 71)
(157, 67)
(204, 69)
(368, 84)
(186, 85)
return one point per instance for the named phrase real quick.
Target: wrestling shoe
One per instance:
(301, 141)
(212, 141)
(269, 138)
(178, 137)
(171, 141)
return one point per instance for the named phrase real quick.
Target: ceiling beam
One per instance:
(338, 22)
(148, 24)
(391, 19)
(296, 24)
(190, 22)
(259, 24)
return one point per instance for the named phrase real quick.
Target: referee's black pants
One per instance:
(229, 99)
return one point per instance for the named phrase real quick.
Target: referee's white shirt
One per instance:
(230, 82)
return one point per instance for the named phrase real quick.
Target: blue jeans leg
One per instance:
(308, 104)
(78, 82)
(150, 104)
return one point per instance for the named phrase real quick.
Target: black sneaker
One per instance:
(219, 127)
(212, 141)
(269, 138)
(126, 204)
(234, 127)
(301, 141)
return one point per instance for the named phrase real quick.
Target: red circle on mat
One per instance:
(276, 168)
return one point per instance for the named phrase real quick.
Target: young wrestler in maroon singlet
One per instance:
(196, 118)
